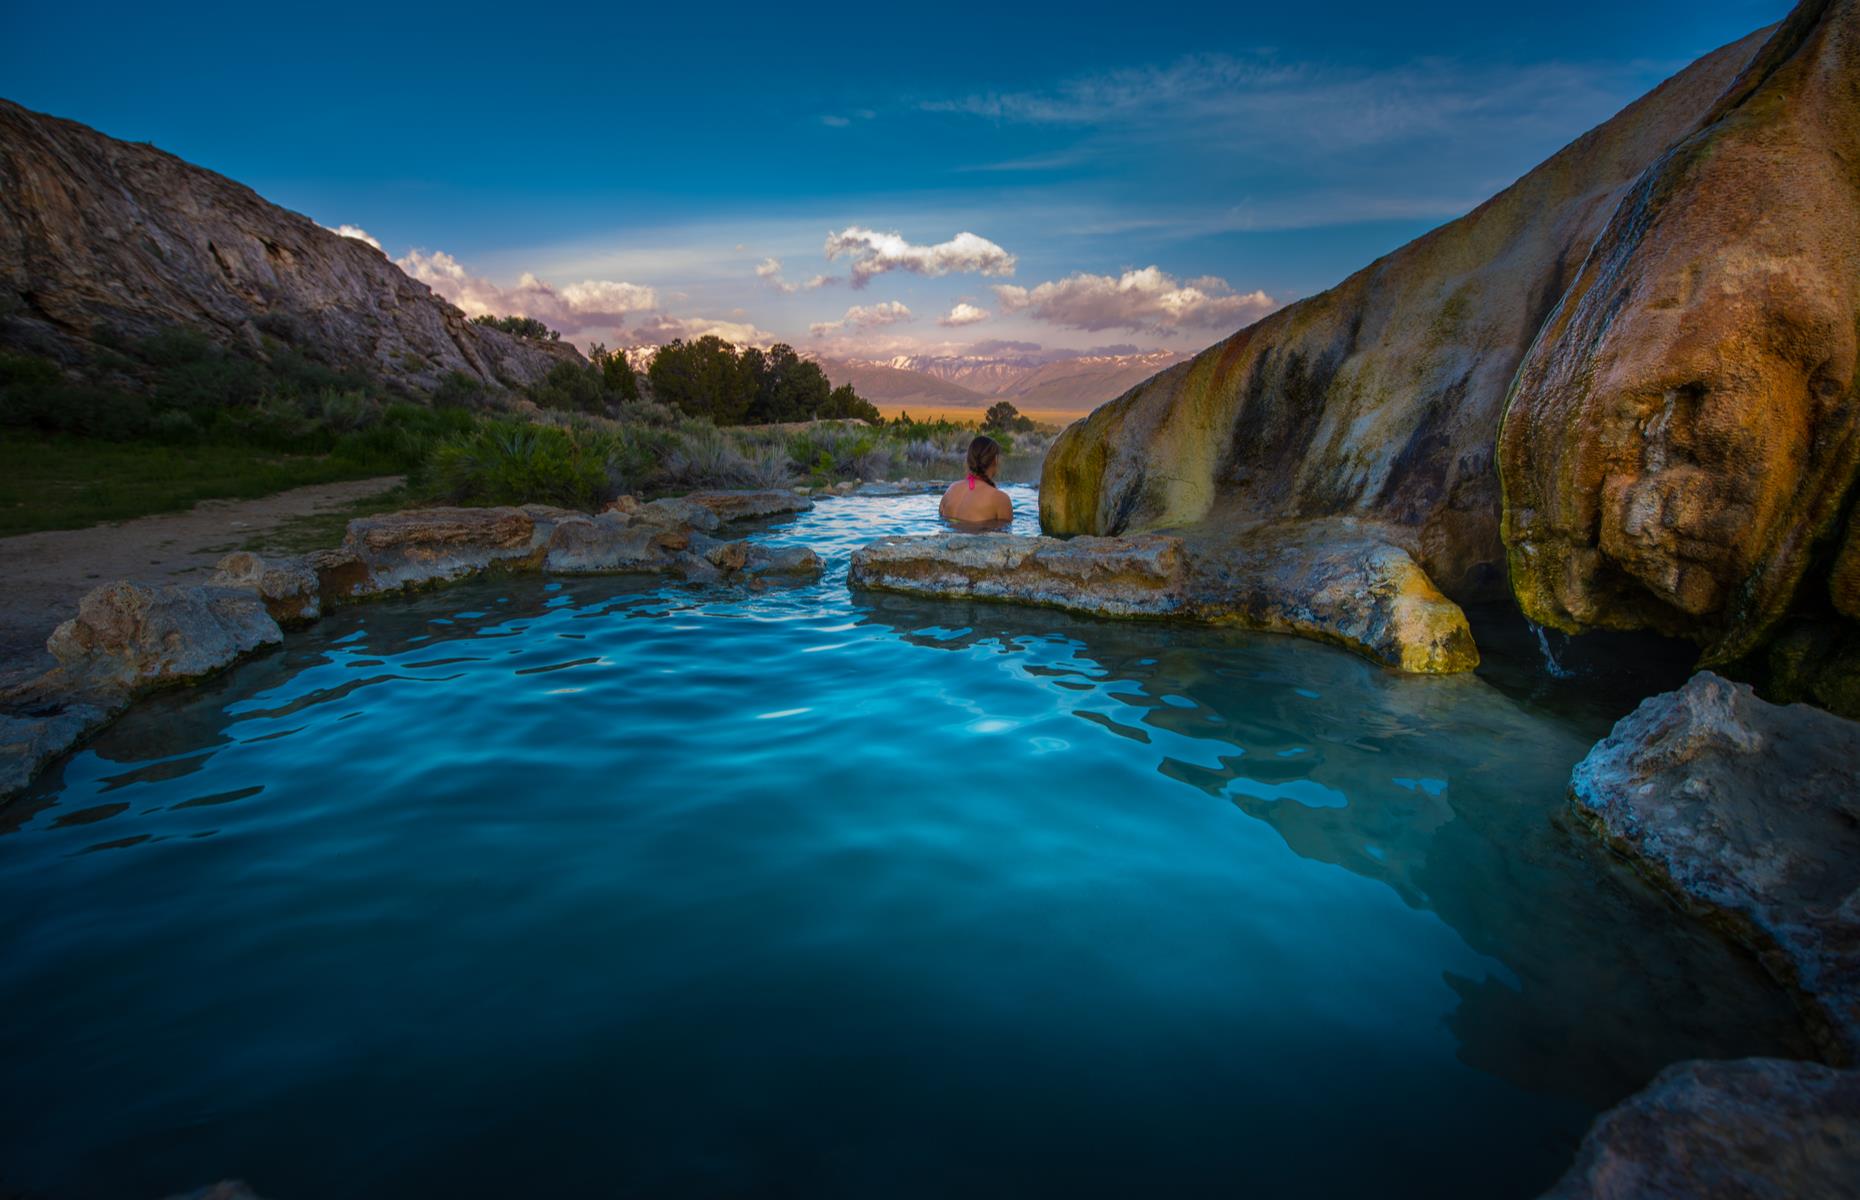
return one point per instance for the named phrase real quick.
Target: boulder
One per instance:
(130, 637)
(1139, 576)
(677, 512)
(612, 541)
(290, 588)
(428, 545)
(1338, 581)
(1749, 813)
(740, 505)
(1748, 1129)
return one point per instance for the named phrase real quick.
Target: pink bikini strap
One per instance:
(971, 481)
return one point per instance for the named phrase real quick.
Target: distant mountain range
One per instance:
(1052, 381)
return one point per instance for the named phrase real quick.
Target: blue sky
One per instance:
(1149, 175)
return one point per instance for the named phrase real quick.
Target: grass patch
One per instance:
(60, 482)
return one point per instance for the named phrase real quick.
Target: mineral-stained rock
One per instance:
(735, 506)
(289, 587)
(429, 545)
(1687, 426)
(1749, 812)
(1674, 296)
(1339, 582)
(612, 542)
(1745, 1129)
(1844, 580)
(1380, 398)
(759, 560)
(97, 233)
(130, 637)
(1139, 576)
(678, 512)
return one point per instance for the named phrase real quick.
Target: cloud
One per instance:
(356, 232)
(1250, 101)
(590, 304)
(769, 270)
(864, 316)
(1148, 299)
(874, 253)
(837, 121)
(964, 314)
(659, 329)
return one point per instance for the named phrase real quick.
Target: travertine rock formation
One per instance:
(1684, 433)
(1666, 310)
(1748, 1129)
(1327, 581)
(98, 234)
(1749, 813)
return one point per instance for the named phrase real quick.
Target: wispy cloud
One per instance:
(874, 253)
(864, 316)
(769, 271)
(1233, 102)
(1146, 299)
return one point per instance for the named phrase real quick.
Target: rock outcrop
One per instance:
(125, 636)
(1683, 435)
(1124, 577)
(98, 234)
(1748, 1129)
(1336, 582)
(1666, 309)
(1749, 813)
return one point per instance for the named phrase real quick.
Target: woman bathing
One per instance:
(975, 502)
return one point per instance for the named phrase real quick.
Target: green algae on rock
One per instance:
(1683, 434)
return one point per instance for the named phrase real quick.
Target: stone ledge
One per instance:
(1749, 1129)
(1749, 813)
(1345, 586)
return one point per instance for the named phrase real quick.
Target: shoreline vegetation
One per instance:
(159, 423)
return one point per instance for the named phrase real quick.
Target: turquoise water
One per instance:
(606, 887)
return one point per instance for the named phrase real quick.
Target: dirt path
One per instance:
(43, 575)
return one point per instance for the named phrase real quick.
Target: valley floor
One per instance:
(46, 573)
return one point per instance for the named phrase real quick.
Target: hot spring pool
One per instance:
(605, 887)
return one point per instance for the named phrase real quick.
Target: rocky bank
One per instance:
(102, 238)
(126, 639)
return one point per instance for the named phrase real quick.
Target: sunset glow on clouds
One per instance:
(1049, 188)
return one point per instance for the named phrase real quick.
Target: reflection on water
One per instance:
(635, 888)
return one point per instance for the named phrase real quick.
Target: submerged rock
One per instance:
(129, 637)
(1749, 1129)
(1749, 812)
(1140, 576)
(1341, 583)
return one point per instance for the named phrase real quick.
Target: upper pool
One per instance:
(607, 887)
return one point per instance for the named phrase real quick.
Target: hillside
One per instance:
(102, 239)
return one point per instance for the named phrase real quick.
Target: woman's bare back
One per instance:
(974, 501)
